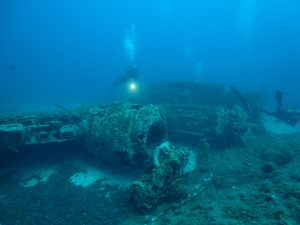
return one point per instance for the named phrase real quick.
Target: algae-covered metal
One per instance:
(35, 128)
(124, 134)
(131, 134)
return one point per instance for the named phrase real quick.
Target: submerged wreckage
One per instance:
(137, 134)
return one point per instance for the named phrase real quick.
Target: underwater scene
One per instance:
(149, 112)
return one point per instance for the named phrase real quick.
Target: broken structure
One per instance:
(129, 134)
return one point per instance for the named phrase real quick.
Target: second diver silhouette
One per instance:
(288, 116)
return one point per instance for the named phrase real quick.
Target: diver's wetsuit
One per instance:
(130, 75)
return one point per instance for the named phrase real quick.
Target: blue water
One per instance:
(70, 52)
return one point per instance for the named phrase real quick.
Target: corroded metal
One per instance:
(124, 133)
(131, 134)
(30, 129)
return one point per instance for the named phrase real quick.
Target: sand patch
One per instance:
(275, 126)
(90, 173)
(192, 162)
(37, 175)
(87, 178)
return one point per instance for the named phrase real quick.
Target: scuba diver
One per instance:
(288, 116)
(130, 77)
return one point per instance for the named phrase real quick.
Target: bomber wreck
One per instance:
(160, 133)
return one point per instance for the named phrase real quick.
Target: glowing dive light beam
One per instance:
(132, 86)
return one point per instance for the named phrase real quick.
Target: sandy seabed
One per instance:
(256, 184)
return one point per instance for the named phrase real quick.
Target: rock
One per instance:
(267, 168)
